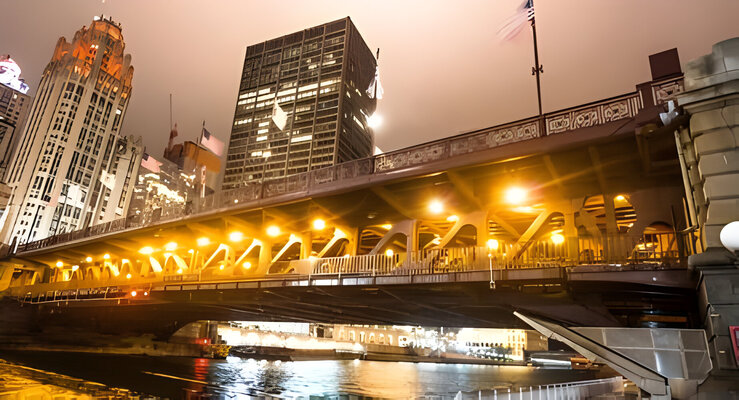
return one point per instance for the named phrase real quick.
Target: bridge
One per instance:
(558, 216)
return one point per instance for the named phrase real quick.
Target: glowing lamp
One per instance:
(59, 264)
(133, 293)
(729, 236)
(273, 230)
(493, 244)
(452, 218)
(128, 276)
(436, 207)
(75, 267)
(319, 224)
(106, 256)
(146, 250)
(389, 252)
(246, 265)
(221, 267)
(88, 259)
(515, 195)
(558, 239)
(620, 197)
(171, 246)
(374, 121)
(235, 236)
(203, 241)
(386, 226)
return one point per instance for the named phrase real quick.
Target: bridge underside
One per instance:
(451, 300)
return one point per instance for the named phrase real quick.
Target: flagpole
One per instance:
(537, 69)
(377, 60)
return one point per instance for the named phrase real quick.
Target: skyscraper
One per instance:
(319, 77)
(14, 106)
(72, 168)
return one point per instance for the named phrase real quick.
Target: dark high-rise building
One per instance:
(319, 77)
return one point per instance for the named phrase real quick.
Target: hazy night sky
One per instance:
(444, 69)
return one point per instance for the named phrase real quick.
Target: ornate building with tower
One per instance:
(73, 168)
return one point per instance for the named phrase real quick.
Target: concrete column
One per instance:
(712, 100)
(306, 245)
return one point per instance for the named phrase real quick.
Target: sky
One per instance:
(444, 68)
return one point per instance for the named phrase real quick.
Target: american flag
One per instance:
(211, 143)
(516, 22)
(150, 163)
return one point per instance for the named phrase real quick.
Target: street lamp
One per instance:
(492, 246)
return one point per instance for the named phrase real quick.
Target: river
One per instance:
(171, 377)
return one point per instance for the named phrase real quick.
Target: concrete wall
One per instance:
(711, 149)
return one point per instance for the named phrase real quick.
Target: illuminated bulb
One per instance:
(374, 121)
(246, 265)
(221, 267)
(128, 276)
(452, 218)
(236, 236)
(88, 259)
(273, 230)
(493, 244)
(389, 252)
(620, 197)
(75, 267)
(171, 246)
(515, 195)
(319, 224)
(386, 226)
(203, 241)
(146, 293)
(133, 293)
(179, 271)
(106, 256)
(191, 251)
(436, 207)
(59, 264)
(557, 238)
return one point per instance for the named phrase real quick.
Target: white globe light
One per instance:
(730, 236)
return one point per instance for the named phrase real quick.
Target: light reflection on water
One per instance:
(237, 378)
(372, 378)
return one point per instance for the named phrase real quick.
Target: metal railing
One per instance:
(587, 115)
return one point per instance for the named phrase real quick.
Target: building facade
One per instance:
(319, 77)
(162, 193)
(514, 340)
(73, 168)
(190, 158)
(14, 107)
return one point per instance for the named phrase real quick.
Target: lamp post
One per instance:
(492, 245)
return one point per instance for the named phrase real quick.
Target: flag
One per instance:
(150, 163)
(108, 180)
(375, 87)
(515, 23)
(211, 143)
(278, 115)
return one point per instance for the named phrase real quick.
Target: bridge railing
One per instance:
(588, 115)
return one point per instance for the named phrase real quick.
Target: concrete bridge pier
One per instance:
(710, 149)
